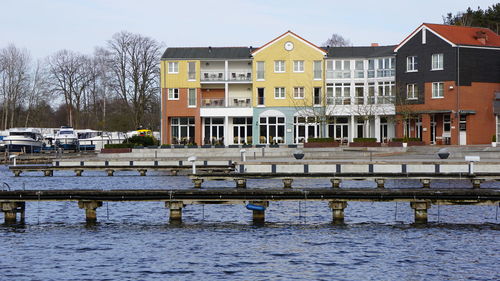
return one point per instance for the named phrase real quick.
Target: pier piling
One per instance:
(380, 183)
(48, 173)
(17, 173)
(197, 182)
(426, 183)
(241, 183)
(338, 211)
(78, 172)
(174, 172)
(90, 209)
(476, 183)
(335, 182)
(420, 208)
(110, 172)
(142, 172)
(287, 183)
(175, 211)
(10, 210)
(259, 217)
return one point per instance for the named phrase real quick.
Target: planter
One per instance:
(165, 146)
(206, 146)
(415, 143)
(116, 150)
(274, 145)
(443, 153)
(322, 144)
(233, 146)
(219, 146)
(246, 146)
(395, 144)
(178, 146)
(298, 154)
(365, 144)
(192, 146)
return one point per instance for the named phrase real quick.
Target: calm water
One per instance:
(133, 241)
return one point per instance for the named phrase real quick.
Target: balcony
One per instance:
(213, 103)
(219, 76)
(386, 99)
(233, 102)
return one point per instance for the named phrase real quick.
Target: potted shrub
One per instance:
(364, 142)
(298, 154)
(494, 141)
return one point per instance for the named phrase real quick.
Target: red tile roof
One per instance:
(465, 35)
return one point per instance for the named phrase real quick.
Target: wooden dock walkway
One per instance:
(421, 199)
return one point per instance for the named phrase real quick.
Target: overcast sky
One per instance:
(46, 26)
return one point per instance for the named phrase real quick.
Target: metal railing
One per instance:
(240, 102)
(212, 76)
(240, 76)
(212, 103)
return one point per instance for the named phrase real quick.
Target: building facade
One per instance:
(447, 80)
(285, 92)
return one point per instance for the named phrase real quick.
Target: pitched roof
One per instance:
(459, 35)
(283, 35)
(207, 53)
(360, 52)
(465, 35)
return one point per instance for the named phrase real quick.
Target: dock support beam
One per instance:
(175, 211)
(335, 182)
(287, 183)
(426, 183)
(197, 182)
(420, 208)
(90, 207)
(338, 211)
(78, 172)
(48, 173)
(110, 172)
(259, 217)
(174, 172)
(241, 183)
(476, 183)
(380, 183)
(10, 210)
(17, 173)
(142, 172)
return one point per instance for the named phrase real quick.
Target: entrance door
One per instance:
(463, 129)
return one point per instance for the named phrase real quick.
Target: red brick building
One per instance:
(447, 78)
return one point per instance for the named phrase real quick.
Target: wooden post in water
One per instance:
(338, 211)
(142, 172)
(173, 172)
(426, 183)
(48, 173)
(78, 172)
(476, 183)
(380, 183)
(287, 183)
(10, 210)
(259, 217)
(110, 172)
(241, 183)
(420, 208)
(197, 182)
(175, 211)
(335, 182)
(90, 207)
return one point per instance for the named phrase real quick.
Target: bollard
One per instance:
(243, 155)
(192, 159)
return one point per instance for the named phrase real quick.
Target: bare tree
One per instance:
(337, 40)
(135, 71)
(38, 90)
(70, 78)
(14, 81)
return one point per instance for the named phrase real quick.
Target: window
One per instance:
(411, 91)
(213, 130)
(359, 92)
(437, 62)
(298, 66)
(279, 66)
(272, 129)
(192, 98)
(191, 70)
(317, 70)
(329, 69)
(260, 70)
(371, 69)
(371, 93)
(411, 64)
(386, 67)
(182, 130)
(329, 94)
(173, 94)
(173, 67)
(260, 96)
(298, 92)
(437, 90)
(359, 67)
(385, 91)
(317, 96)
(342, 93)
(279, 93)
(342, 69)
(446, 123)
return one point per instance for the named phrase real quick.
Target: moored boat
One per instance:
(23, 140)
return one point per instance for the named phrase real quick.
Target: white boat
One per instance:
(66, 138)
(23, 140)
(3, 134)
(91, 139)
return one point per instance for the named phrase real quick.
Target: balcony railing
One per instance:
(213, 103)
(386, 99)
(240, 102)
(346, 74)
(212, 76)
(360, 100)
(240, 76)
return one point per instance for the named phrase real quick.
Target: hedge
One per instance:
(320, 140)
(119, 145)
(364, 140)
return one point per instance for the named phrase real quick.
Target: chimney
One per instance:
(482, 37)
(375, 45)
(209, 49)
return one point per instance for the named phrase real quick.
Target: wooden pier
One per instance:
(142, 167)
(421, 199)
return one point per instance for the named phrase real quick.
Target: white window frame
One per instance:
(173, 94)
(411, 91)
(279, 66)
(437, 90)
(412, 64)
(298, 66)
(279, 93)
(437, 61)
(261, 71)
(190, 92)
(298, 92)
(316, 64)
(191, 71)
(173, 67)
